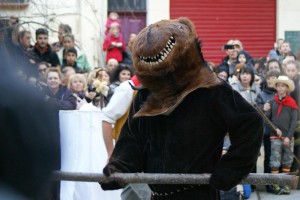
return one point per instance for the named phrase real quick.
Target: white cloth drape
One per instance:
(83, 150)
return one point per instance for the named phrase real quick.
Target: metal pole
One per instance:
(124, 178)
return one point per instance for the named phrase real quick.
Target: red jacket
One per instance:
(113, 51)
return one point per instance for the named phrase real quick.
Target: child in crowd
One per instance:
(244, 57)
(71, 57)
(282, 111)
(114, 43)
(263, 97)
(113, 17)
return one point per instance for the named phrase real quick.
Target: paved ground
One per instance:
(261, 194)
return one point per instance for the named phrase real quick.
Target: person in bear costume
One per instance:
(177, 123)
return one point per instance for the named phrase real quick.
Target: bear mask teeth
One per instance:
(161, 56)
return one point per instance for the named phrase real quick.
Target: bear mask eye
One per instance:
(180, 27)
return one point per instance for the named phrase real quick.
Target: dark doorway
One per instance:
(132, 15)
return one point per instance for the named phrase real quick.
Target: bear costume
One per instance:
(177, 123)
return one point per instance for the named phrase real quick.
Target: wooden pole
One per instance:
(125, 178)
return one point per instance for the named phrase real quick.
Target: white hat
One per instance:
(284, 80)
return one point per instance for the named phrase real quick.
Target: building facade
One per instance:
(257, 23)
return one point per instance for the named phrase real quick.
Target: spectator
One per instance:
(67, 72)
(127, 59)
(102, 98)
(62, 30)
(288, 57)
(232, 54)
(81, 61)
(24, 39)
(258, 80)
(242, 57)
(261, 66)
(235, 76)
(42, 50)
(274, 65)
(111, 66)
(275, 53)
(264, 97)
(285, 48)
(245, 86)
(18, 55)
(114, 43)
(78, 85)
(282, 111)
(291, 71)
(123, 73)
(29, 149)
(43, 68)
(56, 94)
(71, 57)
(222, 72)
(113, 17)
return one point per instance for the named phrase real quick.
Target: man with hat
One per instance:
(282, 111)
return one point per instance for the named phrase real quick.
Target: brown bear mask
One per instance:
(169, 63)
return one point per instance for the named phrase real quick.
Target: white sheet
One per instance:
(83, 150)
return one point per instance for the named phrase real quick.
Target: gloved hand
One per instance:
(111, 185)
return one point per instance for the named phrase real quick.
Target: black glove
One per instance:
(113, 184)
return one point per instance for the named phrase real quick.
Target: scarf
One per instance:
(287, 101)
(43, 51)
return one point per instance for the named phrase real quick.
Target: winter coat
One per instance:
(47, 55)
(263, 97)
(113, 51)
(62, 100)
(190, 140)
(249, 95)
(285, 121)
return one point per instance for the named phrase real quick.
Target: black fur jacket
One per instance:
(190, 140)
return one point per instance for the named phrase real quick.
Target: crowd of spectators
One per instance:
(60, 71)
(267, 83)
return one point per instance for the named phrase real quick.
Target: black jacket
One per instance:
(62, 100)
(48, 56)
(265, 96)
(190, 140)
(286, 121)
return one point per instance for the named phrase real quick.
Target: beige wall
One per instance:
(84, 16)
(288, 15)
(157, 10)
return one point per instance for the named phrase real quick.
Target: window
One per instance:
(14, 3)
(127, 5)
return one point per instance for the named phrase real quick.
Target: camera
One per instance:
(228, 46)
